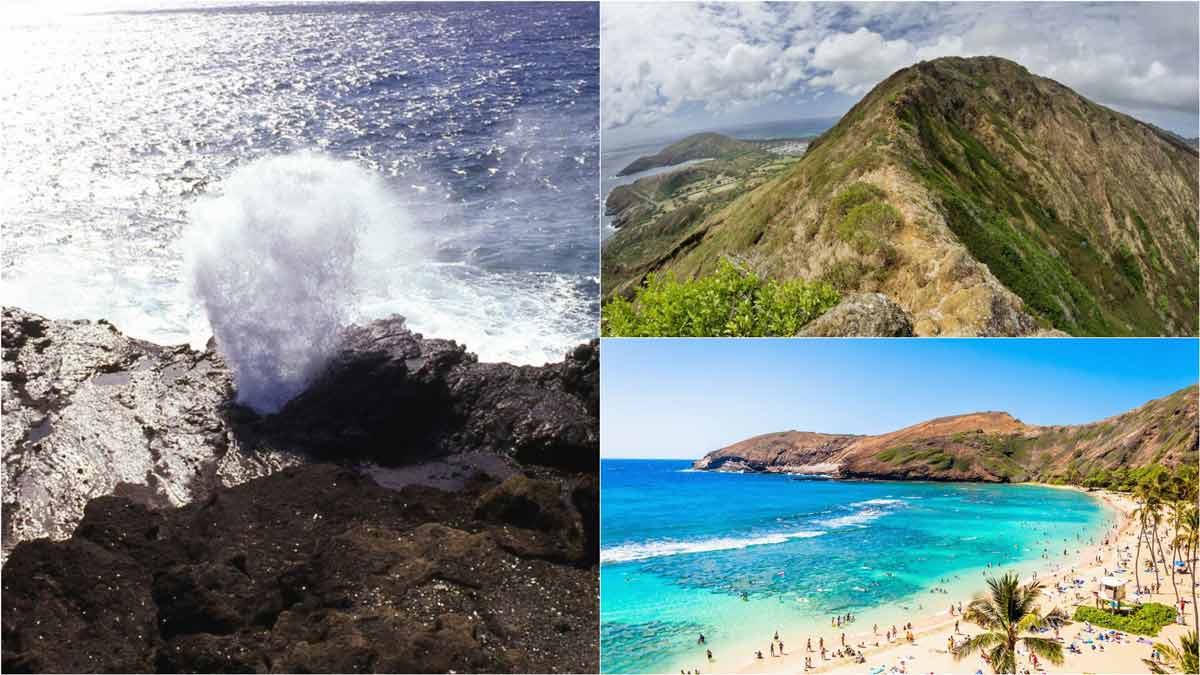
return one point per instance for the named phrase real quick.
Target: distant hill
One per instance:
(981, 198)
(698, 146)
(986, 446)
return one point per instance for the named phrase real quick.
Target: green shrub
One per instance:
(728, 303)
(855, 194)
(1145, 620)
(845, 274)
(867, 226)
(1127, 265)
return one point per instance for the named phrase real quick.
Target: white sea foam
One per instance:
(278, 260)
(879, 502)
(868, 511)
(857, 518)
(658, 549)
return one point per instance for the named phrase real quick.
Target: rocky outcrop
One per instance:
(90, 412)
(312, 569)
(414, 510)
(393, 396)
(862, 315)
(987, 446)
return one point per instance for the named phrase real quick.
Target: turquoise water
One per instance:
(738, 556)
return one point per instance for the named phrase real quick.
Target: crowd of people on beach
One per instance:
(1064, 586)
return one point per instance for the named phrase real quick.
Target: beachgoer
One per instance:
(700, 641)
(708, 652)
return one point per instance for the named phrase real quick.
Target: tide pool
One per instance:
(739, 556)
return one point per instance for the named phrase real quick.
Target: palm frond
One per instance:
(974, 644)
(1004, 660)
(1050, 650)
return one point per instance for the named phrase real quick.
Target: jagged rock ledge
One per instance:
(151, 523)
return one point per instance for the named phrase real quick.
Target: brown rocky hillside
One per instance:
(986, 446)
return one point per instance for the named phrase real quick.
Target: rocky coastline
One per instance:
(990, 447)
(413, 510)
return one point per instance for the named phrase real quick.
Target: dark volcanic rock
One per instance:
(395, 397)
(208, 540)
(90, 412)
(312, 569)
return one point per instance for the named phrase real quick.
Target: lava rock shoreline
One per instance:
(152, 524)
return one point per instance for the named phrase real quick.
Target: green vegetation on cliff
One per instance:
(732, 302)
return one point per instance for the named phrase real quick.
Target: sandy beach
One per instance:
(928, 652)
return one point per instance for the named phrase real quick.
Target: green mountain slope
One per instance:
(983, 199)
(698, 146)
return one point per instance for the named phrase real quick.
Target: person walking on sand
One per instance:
(808, 645)
(708, 653)
(781, 647)
(843, 639)
(956, 631)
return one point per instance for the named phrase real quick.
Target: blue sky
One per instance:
(683, 398)
(680, 67)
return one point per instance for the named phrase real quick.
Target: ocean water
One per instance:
(472, 129)
(738, 556)
(616, 155)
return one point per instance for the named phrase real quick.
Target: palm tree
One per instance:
(1005, 616)
(1142, 513)
(1190, 543)
(1182, 659)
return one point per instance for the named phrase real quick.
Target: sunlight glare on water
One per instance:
(482, 121)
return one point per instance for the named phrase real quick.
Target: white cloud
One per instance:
(659, 57)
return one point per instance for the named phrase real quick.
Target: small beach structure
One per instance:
(1112, 591)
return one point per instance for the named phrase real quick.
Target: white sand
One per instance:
(928, 653)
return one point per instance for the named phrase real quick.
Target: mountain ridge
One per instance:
(984, 199)
(990, 446)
